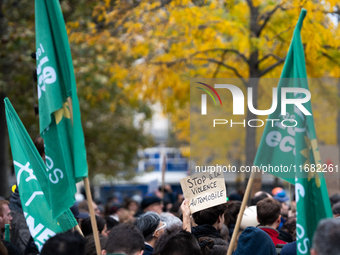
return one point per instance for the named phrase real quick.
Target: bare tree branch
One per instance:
(170, 63)
(265, 17)
(224, 52)
(334, 12)
(330, 47)
(271, 67)
(268, 56)
(218, 66)
(336, 61)
(163, 3)
(279, 34)
(250, 3)
(211, 60)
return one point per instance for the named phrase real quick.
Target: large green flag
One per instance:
(30, 171)
(294, 150)
(60, 123)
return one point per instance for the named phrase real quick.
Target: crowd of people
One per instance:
(162, 224)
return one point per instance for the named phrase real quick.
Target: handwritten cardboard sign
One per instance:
(204, 190)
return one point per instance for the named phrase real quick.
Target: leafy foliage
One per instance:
(112, 136)
(157, 46)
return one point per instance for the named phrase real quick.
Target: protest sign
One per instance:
(204, 190)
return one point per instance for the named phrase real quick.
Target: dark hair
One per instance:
(64, 244)
(125, 238)
(336, 208)
(179, 242)
(39, 144)
(90, 247)
(210, 215)
(289, 226)
(258, 198)
(268, 210)
(334, 199)
(86, 226)
(233, 208)
(213, 246)
(111, 222)
(148, 223)
(128, 202)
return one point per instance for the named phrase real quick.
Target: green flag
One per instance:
(289, 149)
(30, 171)
(60, 123)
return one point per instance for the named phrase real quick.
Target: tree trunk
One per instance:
(338, 124)
(4, 189)
(254, 75)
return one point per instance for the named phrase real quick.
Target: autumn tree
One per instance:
(112, 138)
(157, 46)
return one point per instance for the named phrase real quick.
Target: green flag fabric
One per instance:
(294, 150)
(30, 171)
(59, 113)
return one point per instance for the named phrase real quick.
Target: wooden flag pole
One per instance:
(69, 102)
(240, 214)
(88, 196)
(79, 230)
(92, 215)
(163, 177)
(290, 195)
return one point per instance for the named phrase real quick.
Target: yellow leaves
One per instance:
(73, 24)
(99, 13)
(112, 106)
(107, 3)
(134, 39)
(111, 16)
(155, 5)
(313, 45)
(119, 74)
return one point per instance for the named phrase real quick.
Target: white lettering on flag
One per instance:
(33, 230)
(24, 168)
(35, 193)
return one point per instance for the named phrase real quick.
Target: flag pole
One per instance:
(92, 215)
(88, 196)
(69, 101)
(240, 214)
(163, 176)
(79, 230)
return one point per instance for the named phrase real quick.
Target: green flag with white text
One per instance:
(30, 172)
(59, 113)
(289, 144)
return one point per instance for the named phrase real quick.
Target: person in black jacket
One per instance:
(209, 221)
(288, 230)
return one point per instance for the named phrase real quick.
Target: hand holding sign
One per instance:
(186, 215)
(204, 190)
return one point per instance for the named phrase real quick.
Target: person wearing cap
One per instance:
(152, 204)
(282, 198)
(78, 215)
(152, 228)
